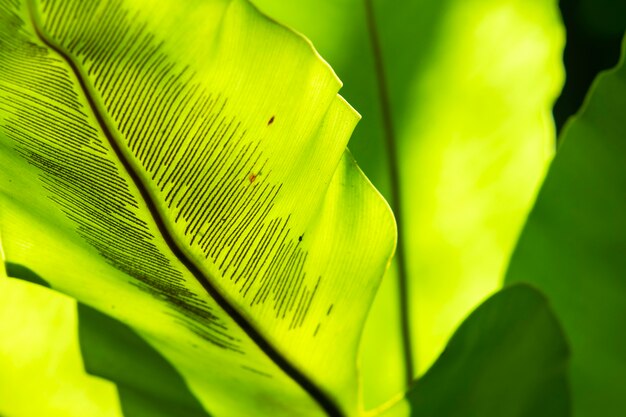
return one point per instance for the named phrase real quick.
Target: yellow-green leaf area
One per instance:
(476, 154)
(194, 185)
(42, 370)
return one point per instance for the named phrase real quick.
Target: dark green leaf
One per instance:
(508, 359)
(574, 246)
(148, 385)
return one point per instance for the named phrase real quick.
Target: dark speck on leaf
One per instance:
(270, 121)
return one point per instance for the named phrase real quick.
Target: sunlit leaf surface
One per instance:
(182, 168)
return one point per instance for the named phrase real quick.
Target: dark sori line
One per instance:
(42, 114)
(211, 176)
(198, 156)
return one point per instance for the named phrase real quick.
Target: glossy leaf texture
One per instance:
(464, 89)
(572, 246)
(191, 181)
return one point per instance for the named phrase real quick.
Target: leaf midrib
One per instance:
(283, 363)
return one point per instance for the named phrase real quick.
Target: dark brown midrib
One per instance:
(396, 203)
(313, 390)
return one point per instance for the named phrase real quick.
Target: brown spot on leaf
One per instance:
(252, 177)
(270, 121)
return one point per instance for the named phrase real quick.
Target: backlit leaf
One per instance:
(181, 168)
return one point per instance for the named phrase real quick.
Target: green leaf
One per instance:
(182, 168)
(464, 91)
(41, 367)
(508, 359)
(572, 246)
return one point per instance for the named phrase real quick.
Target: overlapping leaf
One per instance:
(508, 359)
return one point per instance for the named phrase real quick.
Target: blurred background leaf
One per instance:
(574, 244)
(508, 359)
(41, 368)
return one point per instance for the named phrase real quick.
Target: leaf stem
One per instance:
(395, 199)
